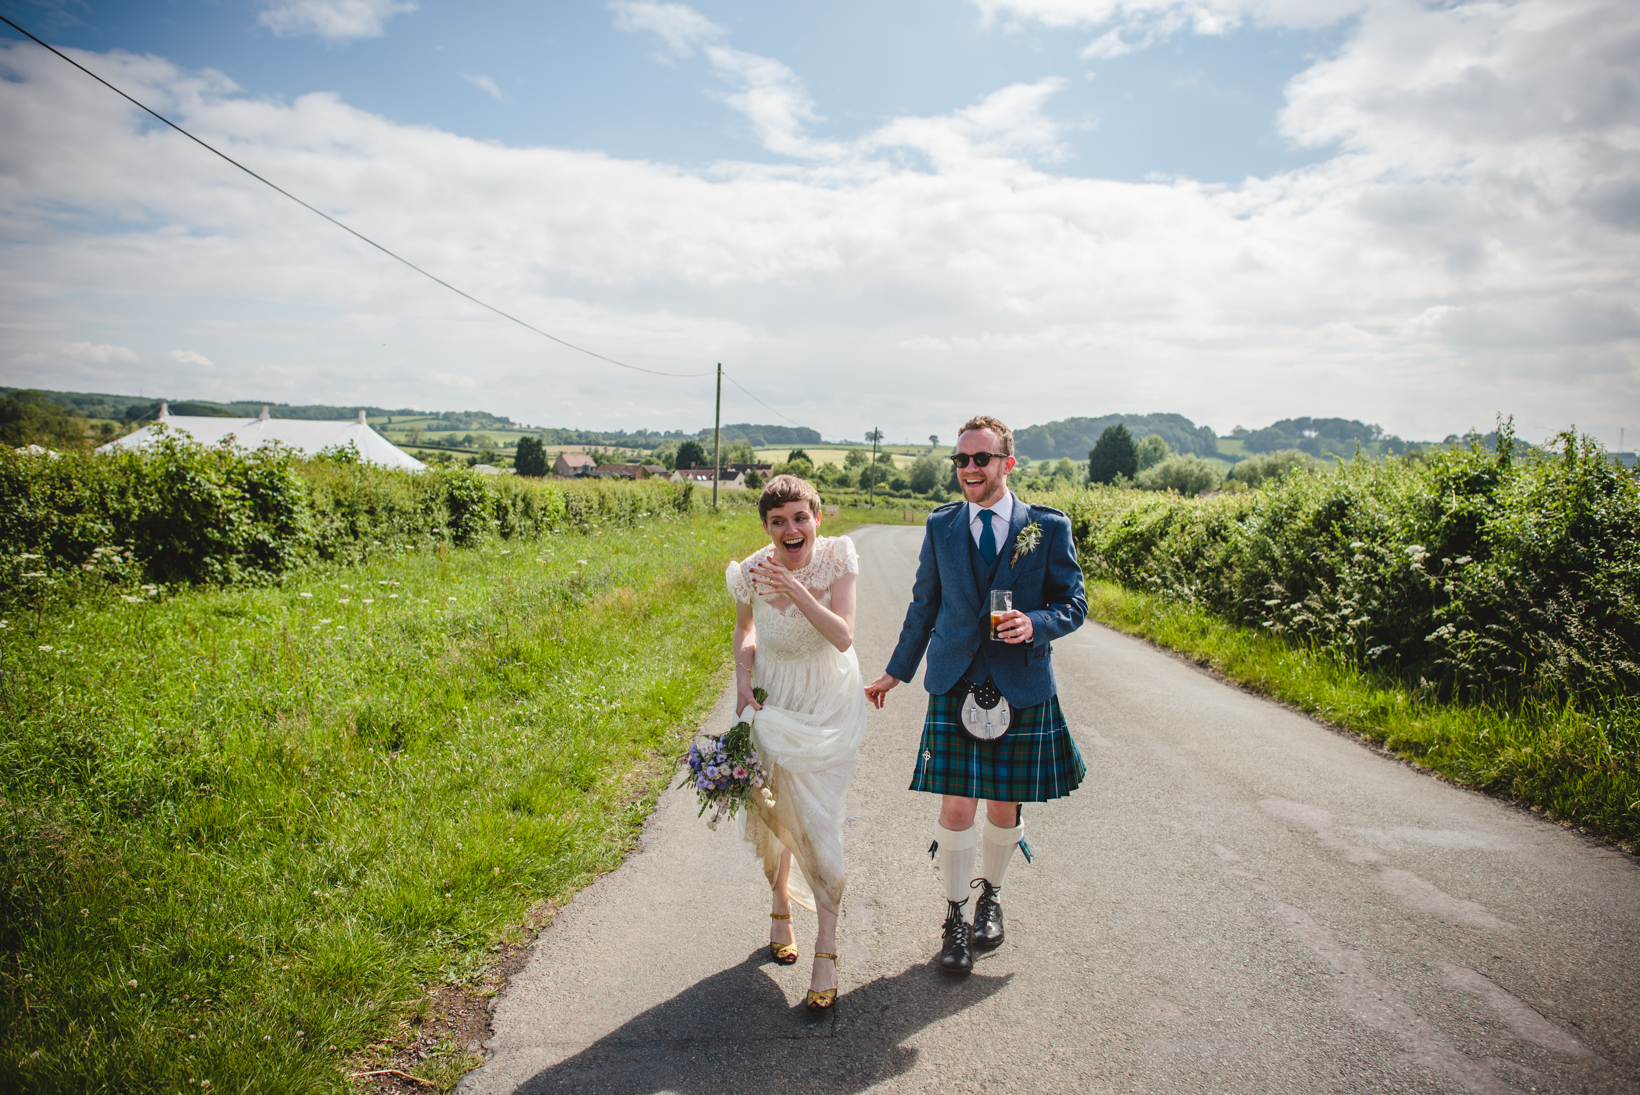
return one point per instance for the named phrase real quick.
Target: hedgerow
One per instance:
(1472, 573)
(184, 513)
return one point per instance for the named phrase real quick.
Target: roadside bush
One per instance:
(182, 513)
(1473, 573)
(1272, 467)
(1188, 475)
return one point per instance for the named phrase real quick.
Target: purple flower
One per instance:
(702, 783)
(723, 783)
(711, 771)
(740, 773)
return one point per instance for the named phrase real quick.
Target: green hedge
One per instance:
(180, 512)
(1473, 573)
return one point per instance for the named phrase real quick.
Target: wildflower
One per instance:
(45, 649)
(128, 597)
(368, 601)
(581, 562)
(304, 595)
(132, 983)
(344, 600)
(449, 598)
(495, 870)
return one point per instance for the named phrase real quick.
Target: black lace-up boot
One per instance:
(958, 955)
(987, 930)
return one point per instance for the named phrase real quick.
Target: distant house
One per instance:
(306, 436)
(743, 469)
(655, 471)
(702, 477)
(571, 464)
(622, 471)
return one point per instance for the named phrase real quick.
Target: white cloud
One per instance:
(486, 85)
(189, 357)
(1139, 24)
(333, 20)
(680, 26)
(101, 354)
(1469, 248)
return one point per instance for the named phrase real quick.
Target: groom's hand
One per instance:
(1016, 627)
(878, 689)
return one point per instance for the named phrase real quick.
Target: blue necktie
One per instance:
(987, 538)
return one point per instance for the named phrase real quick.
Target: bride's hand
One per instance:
(745, 699)
(773, 580)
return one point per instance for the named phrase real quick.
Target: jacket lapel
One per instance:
(957, 544)
(1005, 564)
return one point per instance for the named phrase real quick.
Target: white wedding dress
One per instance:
(809, 731)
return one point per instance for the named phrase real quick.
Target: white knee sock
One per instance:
(956, 858)
(999, 851)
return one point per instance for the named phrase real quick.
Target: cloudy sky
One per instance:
(894, 212)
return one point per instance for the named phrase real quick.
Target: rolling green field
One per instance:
(243, 828)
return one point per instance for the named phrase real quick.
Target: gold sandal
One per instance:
(822, 999)
(784, 953)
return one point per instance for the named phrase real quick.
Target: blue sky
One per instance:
(1418, 214)
(564, 75)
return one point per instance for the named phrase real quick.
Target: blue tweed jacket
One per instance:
(947, 617)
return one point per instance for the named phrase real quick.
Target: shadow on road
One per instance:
(735, 1031)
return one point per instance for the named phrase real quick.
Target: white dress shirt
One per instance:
(1004, 510)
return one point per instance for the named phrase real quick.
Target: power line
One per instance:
(345, 228)
(754, 398)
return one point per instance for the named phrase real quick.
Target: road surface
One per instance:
(1236, 900)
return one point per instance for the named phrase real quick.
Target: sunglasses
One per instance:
(980, 459)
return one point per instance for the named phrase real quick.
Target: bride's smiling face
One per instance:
(792, 529)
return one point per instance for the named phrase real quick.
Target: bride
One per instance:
(794, 638)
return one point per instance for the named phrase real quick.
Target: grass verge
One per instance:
(1575, 763)
(241, 829)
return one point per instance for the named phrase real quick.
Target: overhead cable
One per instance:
(343, 227)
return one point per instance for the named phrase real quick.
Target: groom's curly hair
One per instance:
(787, 488)
(995, 425)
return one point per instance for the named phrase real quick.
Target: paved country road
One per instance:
(1237, 900)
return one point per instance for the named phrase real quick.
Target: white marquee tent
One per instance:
(305, 436)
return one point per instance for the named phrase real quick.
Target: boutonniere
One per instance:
(1026, 542)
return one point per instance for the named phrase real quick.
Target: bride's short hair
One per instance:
(986, 422)
(784, 489)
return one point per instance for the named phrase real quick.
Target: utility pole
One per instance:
(874, 436)
(717, 435)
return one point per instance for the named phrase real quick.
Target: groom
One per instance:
(991, 541)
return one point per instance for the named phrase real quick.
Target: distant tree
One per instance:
(754, 481)
(29, 418)
(691, 455)
(531, 459)
(1189, 475)
(1114, 454)
(1152, 451)
(1267, 469)
(741, 452)
(933, 441)
(856, 458)
(925, 474)
(1064, 469)
(802, 467)
(798, 454)
(666, 455)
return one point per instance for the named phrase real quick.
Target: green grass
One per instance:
(281, 812)
(1576, 764)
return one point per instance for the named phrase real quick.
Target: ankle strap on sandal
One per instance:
(823, 954)
(780, 916)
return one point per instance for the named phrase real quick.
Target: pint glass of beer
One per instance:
(1002, 600)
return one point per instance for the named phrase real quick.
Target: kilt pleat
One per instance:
(1035, 761)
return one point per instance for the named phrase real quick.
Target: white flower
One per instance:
(46, 649)
(304, 595)
(132, 983)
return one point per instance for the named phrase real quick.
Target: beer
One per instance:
(1002, 603)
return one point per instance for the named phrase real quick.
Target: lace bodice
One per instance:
(785, 634)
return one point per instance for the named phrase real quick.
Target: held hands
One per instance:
(877, 690)
(744, 698)
(1016, 627)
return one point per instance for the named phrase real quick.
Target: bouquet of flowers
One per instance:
(726, 771)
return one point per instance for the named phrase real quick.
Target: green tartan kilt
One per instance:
(1035, 761)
